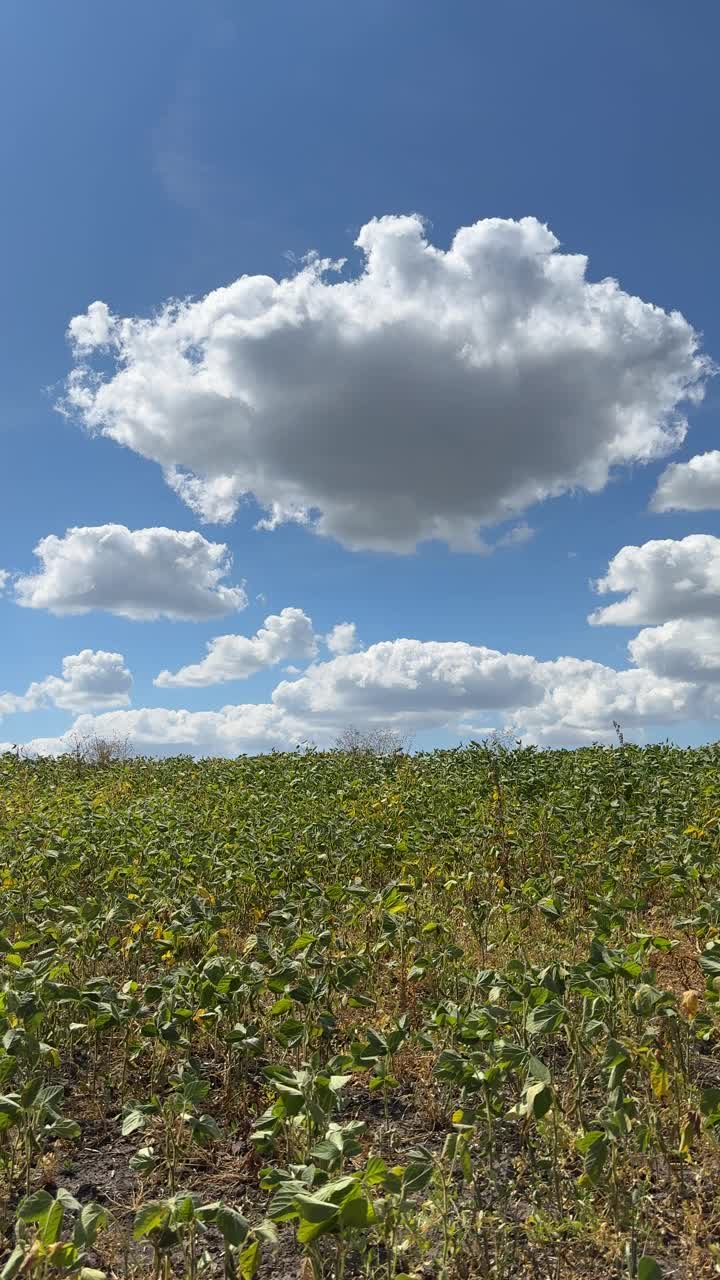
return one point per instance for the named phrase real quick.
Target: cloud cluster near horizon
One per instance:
(415, 685)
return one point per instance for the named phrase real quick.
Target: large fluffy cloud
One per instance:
(137, 573)
(690, 486)
(285, 635)
(413, 681)
(416, 684)
(664, 579)
(436, 392)
(91, 678)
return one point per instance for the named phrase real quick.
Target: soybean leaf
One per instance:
(232, 1226)
(35, 1206)
(151, 1216)
(249, 1261)
(545, 1018)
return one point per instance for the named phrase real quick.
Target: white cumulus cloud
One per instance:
(434, 684)
(137, 573)
(343, 638)
(90, 679)
(582, 699)
(680, 650)
(288, 634)
(690, 486)
(4, 578)
(664, 579)
(251, 727)
(92, 330)
(413, 681)
(413, 685)
(436, 392)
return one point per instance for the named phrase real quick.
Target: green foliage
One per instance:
(405, 994)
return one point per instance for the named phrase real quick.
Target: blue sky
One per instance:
(162, 151)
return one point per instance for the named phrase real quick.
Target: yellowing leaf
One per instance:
(659, 1079)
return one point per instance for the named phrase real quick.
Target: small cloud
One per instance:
(90, 679)
(92, 330)
(343, 638)
(662, 580)
(516, 536)
(690, 486)
(288, 634)
(134, 573)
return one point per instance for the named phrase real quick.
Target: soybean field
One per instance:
(334, 1015)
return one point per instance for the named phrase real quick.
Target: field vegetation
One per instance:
(361, 1014)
